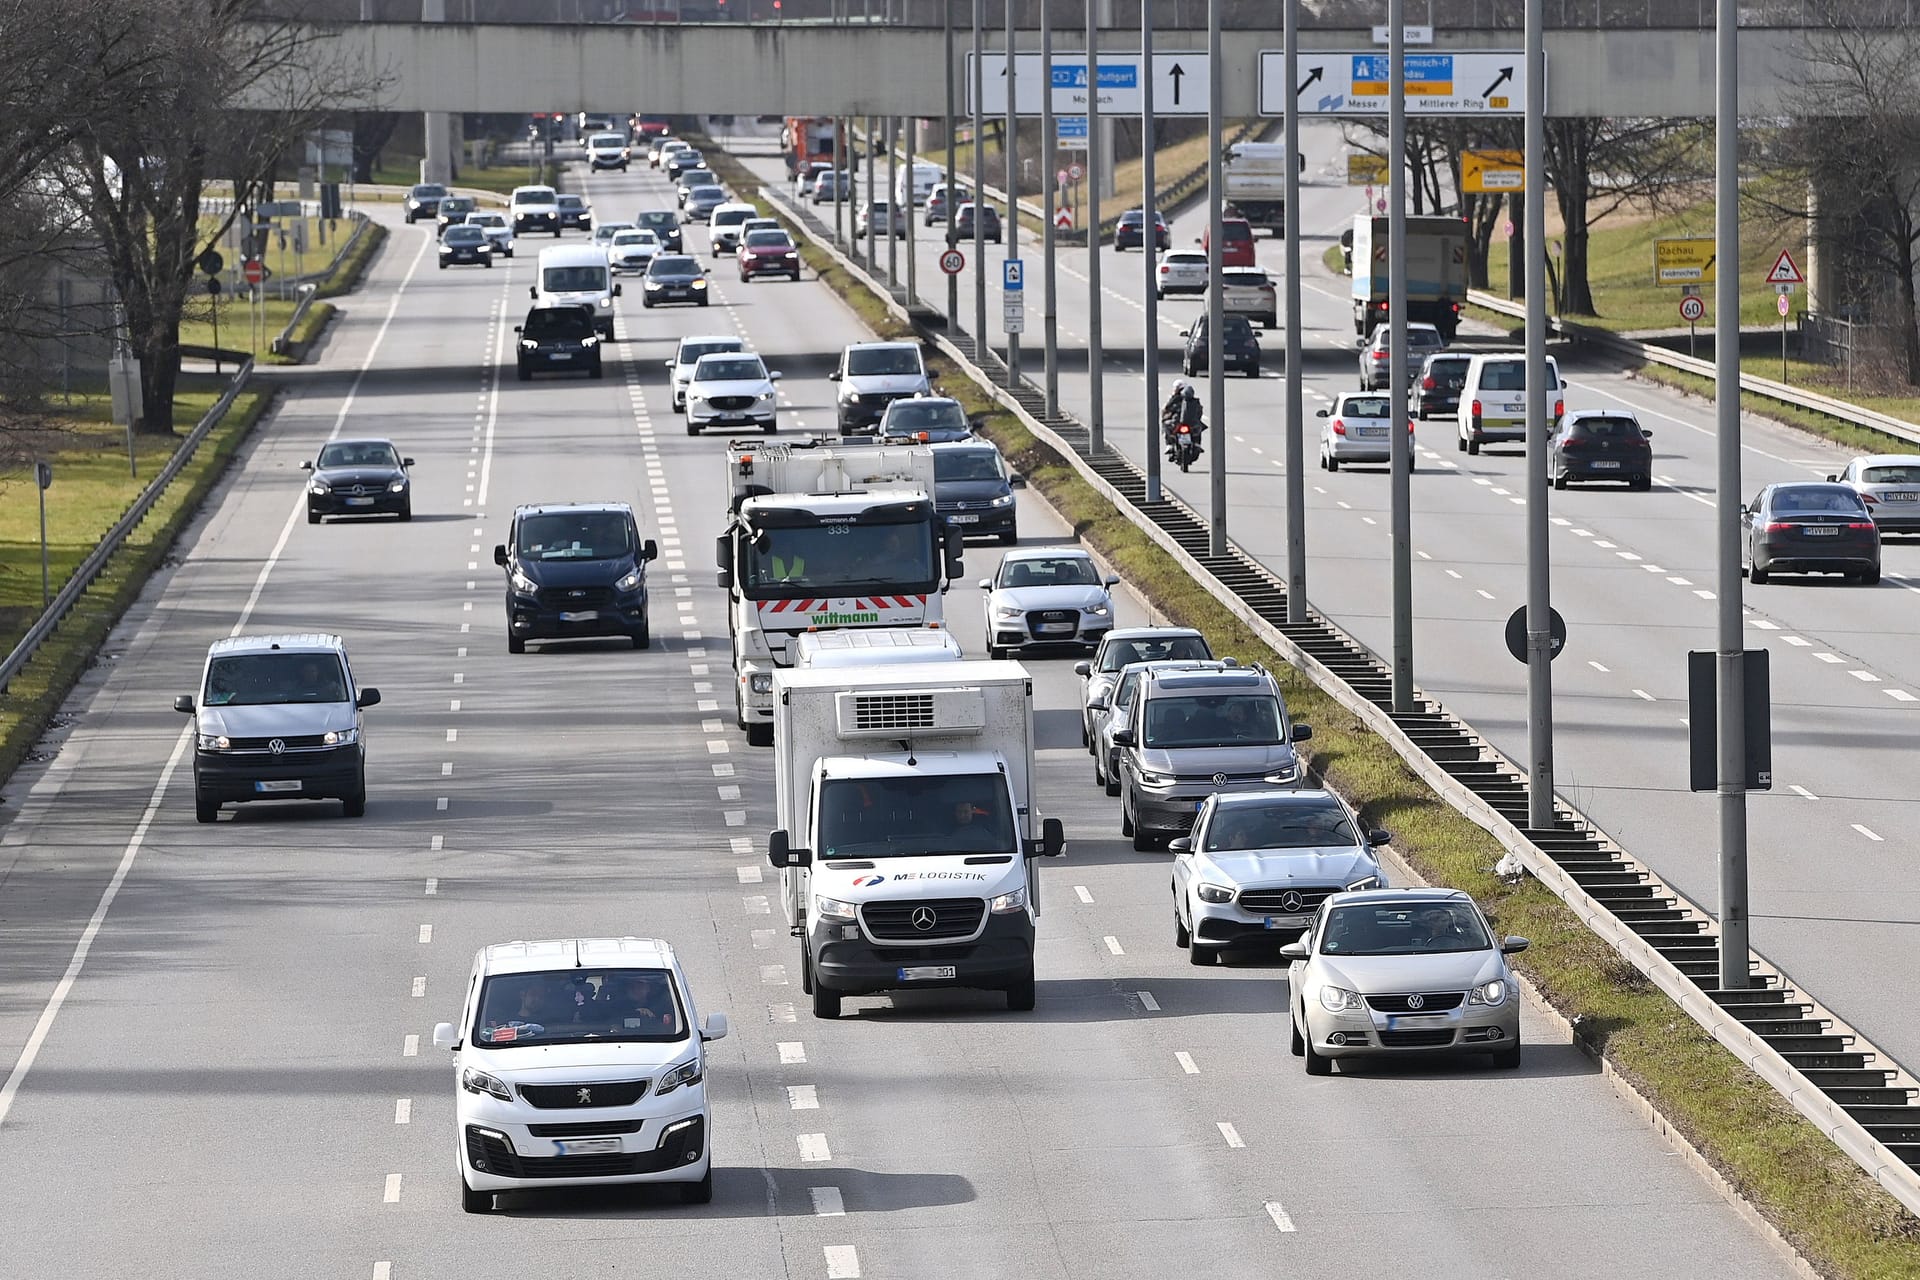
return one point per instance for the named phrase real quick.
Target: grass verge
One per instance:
(236, 333)
(91, 488)
(1819, 1200)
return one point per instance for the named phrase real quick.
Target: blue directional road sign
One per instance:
(1013, 276)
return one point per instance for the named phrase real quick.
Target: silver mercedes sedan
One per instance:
(1889, 483)
(1388, 972)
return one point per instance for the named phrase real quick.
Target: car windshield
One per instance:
(1424, 339)
(570, 202)
(1246, 279)
(1285, 825)
(674, 266)
(1186, 259)
(1811, 498)
(609, 140)
(1122, 653)
(966, 464)
(534, 195)
(268, 679)
(1364, 407)
(915, 815)
(576, 535)
(811, 559)
(922, 415)
(866, 362)
(658, 219)
(611, 230)
(557, 322)
(1213, 720)
(1235, 327)
(736, 369)
(730, 217)
(573, 279)
(705, 194)
(690, 352)
(486, 219)
(768, 240)
(1607, 429)
(358, 453)
(1403, 929)
(634, 237)
(430, 190)
(464, 234)
(1064, 571)
(570, 1006)
(456, 204)
(1901, 473)
(1132, 218)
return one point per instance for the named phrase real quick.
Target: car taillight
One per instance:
(1456, 308)
(1185, 430)
(1559, 408)
(1870, 499)
(1779, 526)
(1573, 444)
(1476, 408)
(1861, 524)
(1426, 383)
(1339, 427)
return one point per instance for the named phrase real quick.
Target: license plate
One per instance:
(1370, 431)
(288, 784)
(1900, 497)
(359, 502)
(562, 355)
(1055, 628)
(964, 519)
(1415, 1021)
(1606, 465)
(1821, 531)
(583, 615)
(926, 972)
(586, 1146)
(1284, 922)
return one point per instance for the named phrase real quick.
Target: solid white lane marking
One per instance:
(1279, 1216)
(1596, 666)
(1185, 1060)
(843, 1261)
(1865, 677)
(1080, 891)
(1869, 834)
(419, 987)
(403, 1111)
(803, 1097)
(1231, 1134)
(827, 1202)
(1113, 945)
(792, 1052)
(1802, 791)
(426, 933)
(1147, 1001)
(392, 1193)
(493, 392)
(813, 1148)
(410, 1047)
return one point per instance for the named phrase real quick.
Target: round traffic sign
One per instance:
(952, 261)
(255, 271)
(211, 262)
(1075, 172)
(1509, 228)
(1062, 178)
(1380, 205)
(1517, 634)
(1692, 308)
(1783, 304)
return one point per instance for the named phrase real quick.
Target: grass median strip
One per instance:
(1818, 1199)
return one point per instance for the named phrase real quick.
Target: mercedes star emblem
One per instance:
(584, 1096)
(1289, 901)
(277, 745)
(1416, 1002)
(923, 918)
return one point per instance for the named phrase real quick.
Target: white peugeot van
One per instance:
(577, 276)
(580, 1062)
(1493, 399)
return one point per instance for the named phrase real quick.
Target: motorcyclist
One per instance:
(1182, 408)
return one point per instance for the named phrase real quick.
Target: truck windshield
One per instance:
(915, 815)
(821, 560)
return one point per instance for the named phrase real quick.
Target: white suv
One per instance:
(731, 389)
(580, 1062)
(534, 209)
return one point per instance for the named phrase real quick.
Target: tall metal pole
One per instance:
(1049, 318)
(1402, 512)
(1149, 254)
(913, 185)
(1539, 431)
(1096, 350)
(952, 191)
(1010, 149)
(1216, 310)
(1296, 388)
(866, 212)
(979, 190)
(892, 197)
(1730, 687)
(842, 181)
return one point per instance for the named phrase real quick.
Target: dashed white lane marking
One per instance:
(1764, 625)
(1147, 1001)
(813, 1148)
(1705, 595)
(1602, 542)
(827, 1202)
(1801, 791)
(1453, 573)
(1483, 593)
(419, 988)
(792, 1052)
(410, 1047)
(740, 844)
(1644, 696)
(1080, 891)
(803, 1097)
(1679, 581)
(1798, 642)
(454, 706)
(437, 843)
(440, 803)
(1279, 1216)
(403, 1111)
(735, 817)
(1653, 568)
(1231, 1134)
(748, 875)
(1868, 833)
(774, 975)
(843, 1261)
(1113, 945)
(1829, 657)
(453, 735)
(446, 769)
(1626, 555)
(756, 904)
(717, 748)
(433, 886)
(383, 1271)
(1596, 666)
(781, 1013)
(1423, 555)
(1899, 695)
(1186, 1062)
(1865, 677)
(392, 1193)
(426, 933)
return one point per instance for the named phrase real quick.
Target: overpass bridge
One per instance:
(863, 70)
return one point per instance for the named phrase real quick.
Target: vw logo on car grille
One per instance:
(1290, 901)
(1416, 1002)
(924, 918)
(1219, 779)
(576, 595)
(277, 745)
(584, 1096)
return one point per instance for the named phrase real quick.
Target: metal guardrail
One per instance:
(49, 621)
(1828, 1113)
(1766, 388)
(283, 341)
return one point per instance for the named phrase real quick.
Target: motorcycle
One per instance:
(1186, 449)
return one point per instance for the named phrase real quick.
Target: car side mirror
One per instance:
(774, 376)
(533, 291)
(1360, 343)
(368, 698)
(713, 1027)
(1324, 413)
(667, 363)
(1111, 580)
(500, 553)
(781, 853)
(445, 1036)
(986, 584)
(1180, 844)
(184, 704)
(1830, 479)
(308, 466)
(1302, 732)
(1015, 480)
(649, 550)
(1512, 944)
(1645, 434)
(406, 462)
(834, 376)
(1186, 333)
(1294, 951)
(1083, 668)
(616, 289)
(1743, 508)
(1098, 704)
(1379, 837)
(1123, 737)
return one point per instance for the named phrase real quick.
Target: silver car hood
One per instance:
(885, 383)
(1191, 762)
(277, 719)
(1276, 868)
(709, 388)
(1066, 597)
(1440, 971)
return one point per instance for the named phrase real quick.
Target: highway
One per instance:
(1835, 896)
(214, 1039)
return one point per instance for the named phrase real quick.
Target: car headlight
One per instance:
(653, 284)
(1148, 778)
(522, 583)
(474, 1080)
(833, 908)
(340, 737)
(1008, 611)
(1097, 610)
(632, 581)
(1283, 775)
(760, 682)
(1004, 500)
(528, 344)
(699, 284)
(485, 246)
(1008, 903)
(1366, 882)
(1489, 993)
(1215, 893)
(764, 395)
(320, 488)
(445, 249)
(1339, 999)
(398, 486)
(590, 341)
(212, 741)
(674, 1077)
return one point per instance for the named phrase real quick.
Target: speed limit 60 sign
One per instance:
(953, 262)
(1692, 308)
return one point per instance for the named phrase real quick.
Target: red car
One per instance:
(650, 126)
(1236, 243)
(767, 253)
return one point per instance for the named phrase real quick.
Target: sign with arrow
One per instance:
(1683, 261)
(1181, 83)
(1474, 82)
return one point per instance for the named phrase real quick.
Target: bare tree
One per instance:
(1434, 148)
(1597, 167)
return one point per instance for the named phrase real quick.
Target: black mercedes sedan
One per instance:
(359, 478)
(1810, 527)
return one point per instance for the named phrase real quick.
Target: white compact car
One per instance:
(630, 251)
(1043, 597)
(1358, 427)
(1181, 271)
(498, 233)
(691, 348)
(580, 1062)
(732, 389)
(1260, 863)
(533, 209)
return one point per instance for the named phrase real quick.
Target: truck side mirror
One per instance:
(616, 289)
(649, 550)
(368, 698)
(1052, 842)
(1302, 732)
(1123, 737)
(955, 544)
(184, 703)
(533, 292)
(500, 553)
(782, 854)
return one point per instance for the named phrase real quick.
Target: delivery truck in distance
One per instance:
(1436, 273)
